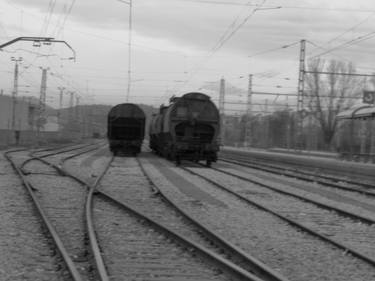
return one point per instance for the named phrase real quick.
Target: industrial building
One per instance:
(23, 119)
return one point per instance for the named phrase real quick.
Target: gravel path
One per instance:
(26, 253)
(297, 255)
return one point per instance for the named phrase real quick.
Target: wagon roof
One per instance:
(126, 110)
(357, 112)
(196, 95)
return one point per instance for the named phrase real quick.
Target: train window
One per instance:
(181, 111)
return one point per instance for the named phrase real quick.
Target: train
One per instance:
(126, 128)
(188, 128)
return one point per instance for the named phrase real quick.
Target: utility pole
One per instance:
(71, 113)
(300, 94)
(130, 48)
(31, 114)
(77, 104)
(130, 3)
(15, 92)
(78, 116)
(249, 112)
(267, 125)
(42, 100)
(71, 104)
(221, 109)
(59, 119)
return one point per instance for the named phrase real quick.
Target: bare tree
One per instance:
(328, 94)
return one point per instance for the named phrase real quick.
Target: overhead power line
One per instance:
(274, 49)
(230, 29)
(351, 28)
(228, 34)
(341, 34)
(359, 39)
(282, 6)
(66, 17)
(225, 38)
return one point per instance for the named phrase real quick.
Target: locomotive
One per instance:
(188, 128)
(125, 128)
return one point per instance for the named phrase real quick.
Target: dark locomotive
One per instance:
(188, 128)
(125, 130)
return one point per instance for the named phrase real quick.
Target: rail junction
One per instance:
(143, 218)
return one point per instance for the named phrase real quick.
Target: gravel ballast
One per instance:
(297, 255)
(26, 253)
(133, 250)
(348, 231)
(353, 198)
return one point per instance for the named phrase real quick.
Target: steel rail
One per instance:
(228, 265)
(33, 157)
(261, 269)
(239, 271)
(339, 210)
(48, 224)
(78, 154)
(37, 150)
(334, 176)
(40, 158)
(292, 222)
(71, 148)
(95, 249)
(100, 265)
(303, 175)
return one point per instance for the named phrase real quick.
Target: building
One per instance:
(20, 127)
(357, 133)
(26, 115)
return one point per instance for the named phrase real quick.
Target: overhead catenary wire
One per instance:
(30, 65)
(228, 34)
(64, 70)
(66, 17)
(274, 49)
(342, 34)
(231, 3)
(51, 7)
(348, 43)
(351, 28)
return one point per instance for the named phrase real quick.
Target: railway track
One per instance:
(340, 228)
(351, 200)
(364, 185)
(169, 222)
(51, 194)
(127, 199)
(257, 203)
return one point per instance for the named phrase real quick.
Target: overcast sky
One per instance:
(178, 46)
